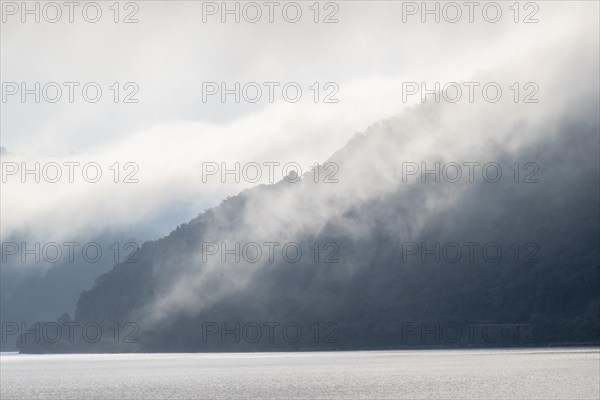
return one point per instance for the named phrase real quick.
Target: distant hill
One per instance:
(384, 291)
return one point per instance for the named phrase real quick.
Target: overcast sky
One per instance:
(170, 132)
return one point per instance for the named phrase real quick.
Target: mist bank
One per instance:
(390, 257)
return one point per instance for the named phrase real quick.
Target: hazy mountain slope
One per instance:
(375, 293)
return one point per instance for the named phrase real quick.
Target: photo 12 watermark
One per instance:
(269, 332)
(452, 12)
(252, 12)
(70, 12)
(269, 92)
(69, 92)
(268, 172)
(470, 172)
(68, 331)
(69, 172)
(471, 92)
(270, 252)
(469, 252)
(71, 252)
(435, 333)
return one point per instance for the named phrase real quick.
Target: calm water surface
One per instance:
(432, 374)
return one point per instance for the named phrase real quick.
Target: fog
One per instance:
(360, 158)
(171, 132)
